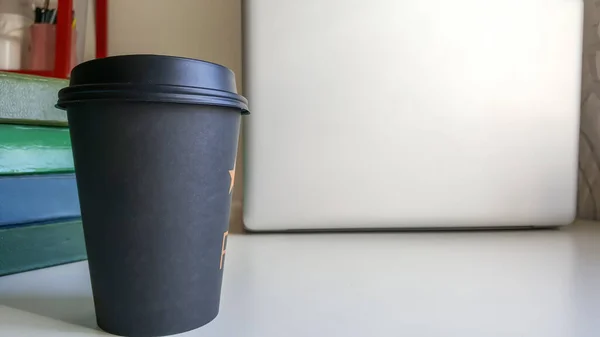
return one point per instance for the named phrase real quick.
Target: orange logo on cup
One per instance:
(232, 175)
(223, 251)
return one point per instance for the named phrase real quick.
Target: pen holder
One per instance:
(42, 47)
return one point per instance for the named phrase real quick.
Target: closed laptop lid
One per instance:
(411, 114)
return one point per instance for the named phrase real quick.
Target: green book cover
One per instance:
(30, 99)
(40, 245)
(34, 149)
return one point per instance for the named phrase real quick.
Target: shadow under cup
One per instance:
(154, 143)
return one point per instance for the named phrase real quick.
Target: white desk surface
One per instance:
(535, 283)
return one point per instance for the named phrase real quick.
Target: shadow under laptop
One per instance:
(76, 311)
(22, 323)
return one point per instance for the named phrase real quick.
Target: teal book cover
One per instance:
(43, 245)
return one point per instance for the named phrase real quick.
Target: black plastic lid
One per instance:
(152, 78)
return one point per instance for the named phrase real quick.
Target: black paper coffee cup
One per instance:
(154, 141)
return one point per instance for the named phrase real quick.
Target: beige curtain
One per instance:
(589, 143)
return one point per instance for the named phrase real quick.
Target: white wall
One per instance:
(210, 30)
(201, 29)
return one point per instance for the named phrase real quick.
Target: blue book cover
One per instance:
(36, 198)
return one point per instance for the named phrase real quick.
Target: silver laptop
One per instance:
(411, 114)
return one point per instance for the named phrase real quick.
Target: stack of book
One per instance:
(39, 210)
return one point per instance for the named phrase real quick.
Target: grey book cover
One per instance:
(30, 99)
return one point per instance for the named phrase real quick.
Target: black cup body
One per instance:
(154, 186)
(155, 178)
